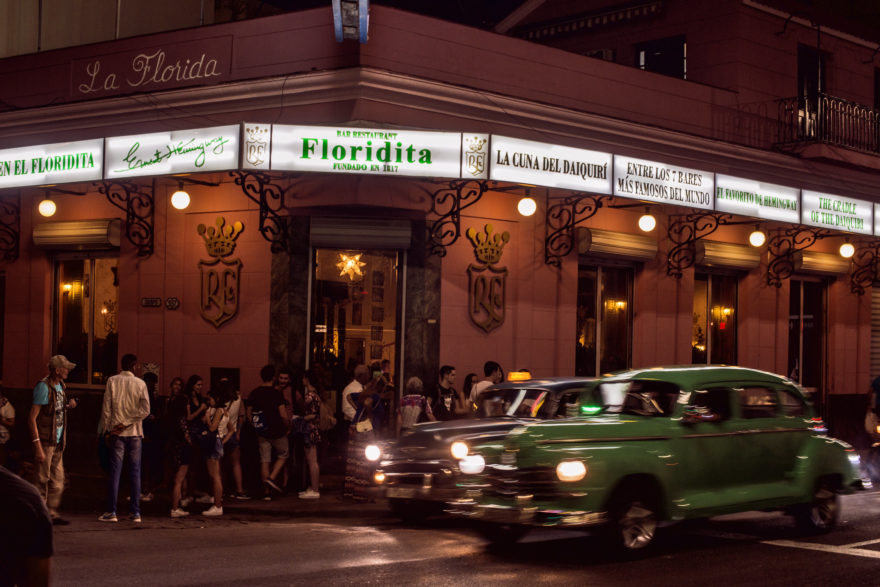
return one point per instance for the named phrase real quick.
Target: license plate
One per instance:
(402, 492)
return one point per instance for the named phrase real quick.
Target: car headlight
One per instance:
(372, 452)
(472, 465)
(459, 449)
(571, 471)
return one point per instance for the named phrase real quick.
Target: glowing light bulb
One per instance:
(46, 207)
(757, 238)
(847, 250)
(527, 206)
(647, 222)
(180, 199)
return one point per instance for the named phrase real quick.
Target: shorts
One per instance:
(267, 444)
(211, 445)
(231, 444)
(183, 454)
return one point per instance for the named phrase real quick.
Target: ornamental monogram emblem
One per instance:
(475, 154)
(256, 145)
(220, 276)
(487, 283)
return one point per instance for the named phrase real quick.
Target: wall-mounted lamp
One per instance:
(757, 237)
(46, 207)
(647, 222)
(527, 205)
(847, 250)
(180, 198)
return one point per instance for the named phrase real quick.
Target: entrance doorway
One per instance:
(806, 335)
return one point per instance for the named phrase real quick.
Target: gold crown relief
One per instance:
(475, 143)
(488, 247)
(257, 133)
(220, 241)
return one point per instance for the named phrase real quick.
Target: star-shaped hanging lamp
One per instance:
(350, 265)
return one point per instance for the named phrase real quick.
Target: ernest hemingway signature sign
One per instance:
(181, 151)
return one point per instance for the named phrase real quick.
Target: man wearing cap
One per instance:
(48, 429)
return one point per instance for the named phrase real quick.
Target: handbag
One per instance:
(364, 426)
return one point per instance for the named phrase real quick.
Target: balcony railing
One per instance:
(826, 119)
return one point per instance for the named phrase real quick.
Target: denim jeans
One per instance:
(119, 447)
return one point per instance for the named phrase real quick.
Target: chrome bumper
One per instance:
(527, 515)
(422, 493)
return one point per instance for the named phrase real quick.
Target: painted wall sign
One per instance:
(663, 183)
(487, 283)
(520, 161)
(746, 197)
(221, 276)
(51, 164)
(837, 212)
(179, 151)
(332, 149)
(155, 68)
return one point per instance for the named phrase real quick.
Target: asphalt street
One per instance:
(339, 543)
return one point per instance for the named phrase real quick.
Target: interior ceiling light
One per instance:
(847, 250)
(180, 198)
(527, 206)
(647, 222)
(757, 237)
(47, 207)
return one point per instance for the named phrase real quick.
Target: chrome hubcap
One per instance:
(637, 526)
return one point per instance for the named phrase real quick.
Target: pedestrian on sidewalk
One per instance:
(267, 416)
(312, 434)
(48, 427)
(181, 447)
(216, 421)
(126, 404)
(232, 440)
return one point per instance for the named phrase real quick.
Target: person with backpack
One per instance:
(268, 418)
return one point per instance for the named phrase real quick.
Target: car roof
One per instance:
(544, 383)
(689, 375)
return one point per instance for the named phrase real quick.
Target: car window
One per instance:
(792, 405)
(712, 404)
(521, 403)
(642, 397)
(757, 402)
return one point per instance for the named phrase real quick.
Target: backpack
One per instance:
(326, 419)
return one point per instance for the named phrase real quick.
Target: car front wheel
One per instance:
(502, 534)
(633, 524)
(822, 513)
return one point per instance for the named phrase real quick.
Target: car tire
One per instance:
(502, 534)
(411, 512)
(823, 511)
(632, 525)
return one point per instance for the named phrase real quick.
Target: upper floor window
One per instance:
(86, 308)
(667, 56)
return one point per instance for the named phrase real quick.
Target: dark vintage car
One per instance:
(421, 471)
(673, 443)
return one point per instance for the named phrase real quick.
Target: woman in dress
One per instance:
(312, 435)
(216, 422)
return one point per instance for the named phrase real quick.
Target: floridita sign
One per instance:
(394, 152)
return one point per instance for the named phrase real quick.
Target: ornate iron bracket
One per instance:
(448, 203)
(139, 212)
(10, 227)
(684, 231)
(784, 245)
(866, 266)
(260, 188)
(562, 218)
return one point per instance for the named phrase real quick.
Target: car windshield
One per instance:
(519, 403)
(640, 397)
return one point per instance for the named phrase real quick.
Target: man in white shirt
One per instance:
(349, 404)
(493, 374)
(126, 404)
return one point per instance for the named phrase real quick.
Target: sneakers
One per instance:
(272, 484)
(108, 517)
(213, 511)
(241, 495)
(185, 502)
(204, 499)
(267, 497)
(179, 513)
(136, 518)
(147, 496)
(309, 494)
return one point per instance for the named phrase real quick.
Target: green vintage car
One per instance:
(673, 443)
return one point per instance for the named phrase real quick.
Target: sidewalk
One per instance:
(86, 494)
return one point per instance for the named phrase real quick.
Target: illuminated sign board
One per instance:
(663, 183)
(51, 164)
(331, 149)
(167, 153)
(746, 197)
(837, 212)
(529, 162)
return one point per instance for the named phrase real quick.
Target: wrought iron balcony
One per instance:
(830, 120)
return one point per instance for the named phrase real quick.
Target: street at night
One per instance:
(345, 548)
